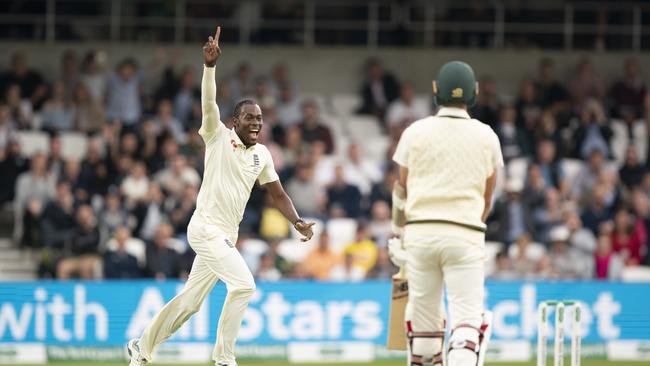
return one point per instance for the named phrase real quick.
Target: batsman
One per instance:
(447, 173)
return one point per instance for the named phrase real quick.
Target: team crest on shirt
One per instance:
(234, 144)
(229, 243)
(256, 162)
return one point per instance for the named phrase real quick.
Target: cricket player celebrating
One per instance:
(233, 162)
(447, 173)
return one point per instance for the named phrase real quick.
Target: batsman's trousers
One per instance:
(216, 259)
(452, 262)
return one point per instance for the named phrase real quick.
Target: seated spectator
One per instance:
(580, 237)
(487, 102)
(280, 79)
(124, 98)
(88, 114)
(405, 110)
(150, 212)
(383, 269)
(510, 216)
(551, 92)
(288, 107)
(628, 238)
(38, 184)
(95, 175)
(585, 85)
(163, 262)
(321, 260)
(132, 245)
(629, 131)
(593, 133)
(312, 130)
(514, 140)
(548, 216)
(7, 127)
(549, 165)
(568, 262)
(598, 211)
(112, 215)
(632, 171)
(57, 220)
(241, 86)
(267, 270)
(93, 76)
(58, 114)
(588, 176)
(363, 249)
(262, 94)
(503, 270)
(609, 264)
(360, 170)
(30, 83)
(167, 123)
(134, 187)
(344, 196)
(20, 109)
(347, 271)
(383, 191)
(183, 210)
(629, 91)
(176, 177)
(379, 89)
(187, 100)
(380, 223)
(524, 264)
(307, 196)
(528, 108)
(84, 258)
(12, 164)
(118, 262)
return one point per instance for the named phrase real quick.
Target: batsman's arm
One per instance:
(285, 205)
(211, 120)
(490, 184)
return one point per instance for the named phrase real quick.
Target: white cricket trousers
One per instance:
(216, 259)
(456, 264)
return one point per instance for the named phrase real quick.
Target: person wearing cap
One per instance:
(447, 173)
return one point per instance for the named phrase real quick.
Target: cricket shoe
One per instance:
(133, 349)
(225, 364)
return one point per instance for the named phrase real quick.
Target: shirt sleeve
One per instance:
(268, 173)
(211, 124)
(497, 156)
(403, 146)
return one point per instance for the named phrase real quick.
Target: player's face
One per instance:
(249, 124)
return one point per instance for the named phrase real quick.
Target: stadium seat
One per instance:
(571, 168)
(375, 148)
(73, 145)
(345, 104)
(341, 232)
(255, 246)
(535, 251)
(32, 142)
(362, 128)
(518, 169)
(492, 248)
(293, 250)
(636, 274)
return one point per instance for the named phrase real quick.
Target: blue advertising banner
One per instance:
(110, 313)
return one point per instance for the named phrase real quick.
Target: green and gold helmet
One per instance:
(455, 84)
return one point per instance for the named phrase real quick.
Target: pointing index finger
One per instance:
(216, 36)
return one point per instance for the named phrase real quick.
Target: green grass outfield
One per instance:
(382, 363)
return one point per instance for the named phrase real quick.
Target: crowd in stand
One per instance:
(579, 208)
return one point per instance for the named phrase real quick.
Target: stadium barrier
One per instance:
(301, 321)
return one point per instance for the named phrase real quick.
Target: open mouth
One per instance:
(254, 133)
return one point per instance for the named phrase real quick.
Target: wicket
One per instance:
(558, 342)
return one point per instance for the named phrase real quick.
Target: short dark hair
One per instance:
(240, 104)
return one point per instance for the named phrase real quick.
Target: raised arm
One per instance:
(211, 120)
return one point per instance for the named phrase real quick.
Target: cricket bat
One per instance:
(399, 295)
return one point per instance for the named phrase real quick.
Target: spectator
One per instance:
(12, 164)
(242, 85)
(124, 95)
(379, 89)
(628, 238)
(186, 103)
(363, 249)
(7, 127)
(549, 166)
(308, 197)
(503, 269)
(548, 216)
(360, 170)
(568, 262)
(586, 85)
(174, 178)
(57, 220)
(580, 237)
(84, 259)
(524, 262)
(380, 224)
(118, 262)
(588, 176)
(597, 212)
(510, 217)
(38, 184)
(594, 132)
(134, 187)
(528, 108)
(150, 212)
(609, 264)
(551, 92)
(514, 140)
(382, 191)
(629, 91)
(343, 196)
(58, 114)
(95, 175)
(262, 94)
(383, 269)
(288, 108)
(31, 84)
(93, 76)
(405, 110)
(163, 262)
(629, 132)
(183, 210)
(113, 215)
(69, 74)
(321, 260)
(312, 130)
(55, 160)
(20, 109)
(267, 270)
(632, 171)
(280, 80)
(487, 103)
(166, 123)
(88, 114)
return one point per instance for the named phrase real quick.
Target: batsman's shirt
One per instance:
(449, 158)
(230, 171)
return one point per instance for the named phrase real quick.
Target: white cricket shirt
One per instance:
(230, 171)
(449, 157)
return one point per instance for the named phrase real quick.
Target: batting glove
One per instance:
(396, 252)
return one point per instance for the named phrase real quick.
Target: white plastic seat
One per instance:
(636, 274)
(32, 142)
(571, 168)
(345, 104)
(293, 250)
(535, 251)
(74, 145)
(134, 246)
(363, 128)
(518, 169)
(341, 232)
